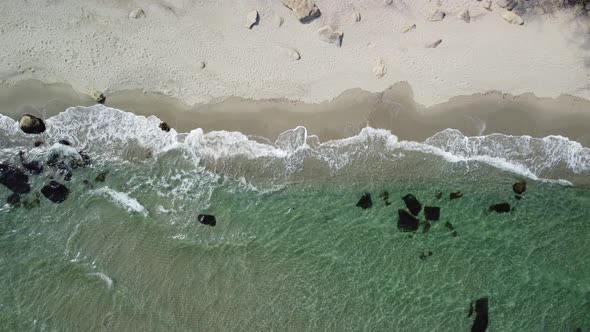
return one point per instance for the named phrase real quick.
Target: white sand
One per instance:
(95, 45)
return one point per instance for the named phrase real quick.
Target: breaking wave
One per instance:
(117, 134)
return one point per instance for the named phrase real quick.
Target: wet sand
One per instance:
(393, 109)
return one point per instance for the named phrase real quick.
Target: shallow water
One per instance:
(291, 251)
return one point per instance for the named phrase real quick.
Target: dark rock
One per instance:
(34, 167)
(13, 199)
(438, 194)
(365, 202)
(432, 213)
(207, 219)
(500, 208)
(64, 142)
(164, 126)
(412, 204)
(38, 143)
(384, 196)
(518, 197)
(480, 323)
(387, 203)
(425, 227)
(456, 195)
(67, 176)
(55, 192)
(13, 178)
(101, 177)
(407, 222)
(519, 187)
(30, 124)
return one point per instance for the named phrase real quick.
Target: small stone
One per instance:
(412, 204)
(512, 18)
(329, 35)
(279, 21)
(502, 3)
(384, 195)
(101, 177)
(30, 124)
(357, 17)
(387, 2)
(201, 64)
(137, 13)
(38, 143)
(55, 192)
(409, 27)
(407, 222)
(500, 208)
(97, 97)
(291, 54)
(436, 15)
(164, 126)
(86, 160)
(464, 15)
(487, 4)
(252, 19)
(455, 195)
(64, 142)
(207, 219)
(304, 10)
(379, 69)
(432, 213)
(425, 254)
(519, 187)
(512, 5)
(434, 44)
(365, 202)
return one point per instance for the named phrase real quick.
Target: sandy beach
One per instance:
(204, 51)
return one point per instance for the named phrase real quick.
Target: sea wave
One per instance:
(123, 200)
(114, 133)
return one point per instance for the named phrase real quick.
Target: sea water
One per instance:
(291, 251)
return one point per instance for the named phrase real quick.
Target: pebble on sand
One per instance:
(436, 15)
(137, 13)
(252, 19)
(304, 10)
(512, 17)
(409, 27)
(379, 69)
(487, 4)
(97, 96)
(464, 15)
(434, 44)
(329, 35)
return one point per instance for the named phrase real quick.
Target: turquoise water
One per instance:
(291, 251)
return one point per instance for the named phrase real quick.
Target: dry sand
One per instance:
(95, 45)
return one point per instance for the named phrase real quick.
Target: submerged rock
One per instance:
(451, 228)
(64, 142)
(13, 178)
(13, 200)
(365, 202)
(406, 222)
(426, 226)
(31, 204)
(480, 323)
(55, 192)
(412, 204)
(518, 197)
(425, 254)
(432, 213)
(207, 219)
(519, 187)
(101, 177)
(438, 194)
(456, 195)
(38, 143)
(304, 10)
(500, 208)
(87, 184)
(30, 124)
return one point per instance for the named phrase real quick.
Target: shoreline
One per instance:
(393, 109)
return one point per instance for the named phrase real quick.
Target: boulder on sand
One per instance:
(207, 219)
(252, 19)
(55, 192)
(305, 10)
(407, 222)
(30, 124)
(13, 178)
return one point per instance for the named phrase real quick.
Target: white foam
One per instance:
(122, 200)
(108, 281)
